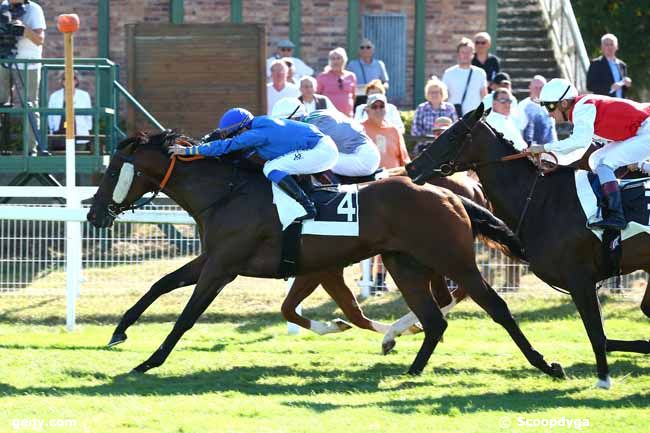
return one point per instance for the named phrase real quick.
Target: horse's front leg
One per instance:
(586, 299)
(210, 283)
(186, 275)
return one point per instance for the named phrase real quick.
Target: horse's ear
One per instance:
(478, 113)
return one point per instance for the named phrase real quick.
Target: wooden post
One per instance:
(68, 25)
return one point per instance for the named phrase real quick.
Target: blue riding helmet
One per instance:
(234, 120)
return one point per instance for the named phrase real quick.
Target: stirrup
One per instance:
(605, 224)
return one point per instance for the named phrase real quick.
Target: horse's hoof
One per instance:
(604, 383)
(387, 346)
(342, 324)
(141, 369)
(414, 371)
(557, 371)
(117, 338)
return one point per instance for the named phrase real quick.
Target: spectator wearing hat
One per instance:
(392, 113)
(285, 49)
(310, 99)
(388, 139)
(279, 88)
(607, 74)
(540, 127)
(439, 126)
(338, 83)
(482, 57)
(500, 118)
(392, 150)
(435, 106)
(466, 84)
(502, 81)
(367, 69)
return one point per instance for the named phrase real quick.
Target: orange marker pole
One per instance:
(68, 25)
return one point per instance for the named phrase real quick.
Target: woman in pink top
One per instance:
(337, 83)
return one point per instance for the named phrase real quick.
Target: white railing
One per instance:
(568, 46)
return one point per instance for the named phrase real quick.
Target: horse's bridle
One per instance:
(453, 166)
(115, 209)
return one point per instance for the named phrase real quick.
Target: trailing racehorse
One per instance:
(241, 235)
(334, 284)
(551, 224)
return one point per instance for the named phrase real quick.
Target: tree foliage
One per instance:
(629, 20)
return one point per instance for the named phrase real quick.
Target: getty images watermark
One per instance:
(550, 423)
(40, 424)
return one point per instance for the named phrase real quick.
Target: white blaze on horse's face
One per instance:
(123, 182)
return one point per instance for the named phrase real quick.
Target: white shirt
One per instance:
(506, 126)
(273, 96)
(392, 116)
(83, 124)
(34, 19)
(300, 69)
(311, 106)
(455, 79)
(516, 110)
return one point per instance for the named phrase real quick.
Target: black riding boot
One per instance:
(291, 187)
(613, 217)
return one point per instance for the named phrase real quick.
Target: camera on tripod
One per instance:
(10, 31)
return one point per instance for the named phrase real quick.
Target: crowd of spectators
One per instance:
(357, 88)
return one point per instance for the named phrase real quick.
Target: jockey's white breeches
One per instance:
(319, 158)
(620, 153)
(363, 162)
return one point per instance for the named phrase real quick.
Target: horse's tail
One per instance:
(492, 230)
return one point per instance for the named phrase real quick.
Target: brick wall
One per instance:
(324, 26)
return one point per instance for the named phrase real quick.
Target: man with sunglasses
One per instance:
(623, 123)
(482, 57)
(367, 68)
(501, 119)
(285, 49)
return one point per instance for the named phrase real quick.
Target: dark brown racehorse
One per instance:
(560, 249)
(241, 235)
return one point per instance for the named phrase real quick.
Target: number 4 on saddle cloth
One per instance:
(337, 215)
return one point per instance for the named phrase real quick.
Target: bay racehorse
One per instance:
(334, 284)
(552, 226)
(241, 235)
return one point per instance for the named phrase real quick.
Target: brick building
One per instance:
(419, 37)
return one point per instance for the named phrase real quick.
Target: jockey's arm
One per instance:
(584, 117)
(247, 139)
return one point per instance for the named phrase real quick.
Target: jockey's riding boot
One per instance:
(613, 216)
(289, 185)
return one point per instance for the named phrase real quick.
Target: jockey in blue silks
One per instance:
(358, 155)
(289, 147)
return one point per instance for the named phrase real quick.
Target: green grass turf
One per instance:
(237, 370)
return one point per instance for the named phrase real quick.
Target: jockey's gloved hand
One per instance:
(536, 149)
(179, 149)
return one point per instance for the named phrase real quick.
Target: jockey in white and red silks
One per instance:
(624, 124)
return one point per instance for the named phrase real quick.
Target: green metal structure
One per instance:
(108, 93)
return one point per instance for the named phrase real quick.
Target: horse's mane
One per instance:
(162, 139)
(560, 169)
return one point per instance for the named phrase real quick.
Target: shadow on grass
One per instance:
(255, 381)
